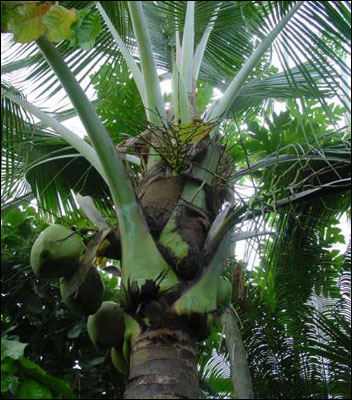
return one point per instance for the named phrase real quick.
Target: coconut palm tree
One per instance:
(171, 190)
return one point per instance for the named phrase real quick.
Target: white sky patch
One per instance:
(217, 94)
(165, 85)
(76, 126)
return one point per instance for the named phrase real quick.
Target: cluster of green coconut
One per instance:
(57, 253)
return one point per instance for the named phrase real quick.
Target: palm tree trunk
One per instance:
(163, 365)
(240, 375)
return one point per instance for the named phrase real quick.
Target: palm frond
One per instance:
(40, 77)
(213, 366)
(12, 135)
(282, 327)
(275, 86)
(37, 161)
(321, 60)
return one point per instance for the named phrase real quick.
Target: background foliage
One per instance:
(32, 312)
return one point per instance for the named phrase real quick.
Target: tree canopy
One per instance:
(251, 145)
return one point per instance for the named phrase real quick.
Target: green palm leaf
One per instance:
(41, 76)
(37, 161)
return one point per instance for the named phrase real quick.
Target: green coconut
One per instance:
(89, 296)
(56, 252)
(119, 361)
(106, 327)
(224, 292)
(132, 330)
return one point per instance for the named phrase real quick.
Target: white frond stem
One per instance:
(74, 140)
(132, 65)
(155, 104)
(198, 56)
(188, 47)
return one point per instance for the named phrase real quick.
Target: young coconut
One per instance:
(106, 327)
(118, 360)
(56, 252)
(132, 330)
(224, 292)
(89, 296)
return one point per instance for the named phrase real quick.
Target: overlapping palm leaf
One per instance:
(39, 163)
(237, 30)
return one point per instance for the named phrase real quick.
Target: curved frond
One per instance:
(37, 161)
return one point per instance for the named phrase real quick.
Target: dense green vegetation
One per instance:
(140, 278)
